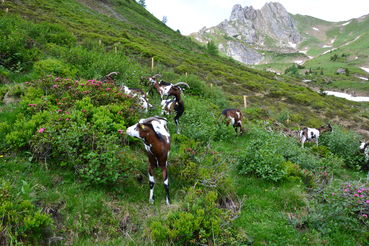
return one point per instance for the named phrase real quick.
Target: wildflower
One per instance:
(67, 119)
(120, 131)
(361, 196)
(359, 191)
(60, 110)
(32, 105)
(356, 195)
(333, 194)
(27, 83)
(367, 201)
(55, 86)
(346, 190)
(41, 130)
(365, 215)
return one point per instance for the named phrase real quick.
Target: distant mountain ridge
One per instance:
(249, 35)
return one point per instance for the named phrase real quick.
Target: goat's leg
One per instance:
(303, 139)
(151, 184)
(166, 185)
(176, 120)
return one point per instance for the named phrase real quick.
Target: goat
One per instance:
(155, 135)
(312, 134)
(365, 150)
(235, 117)
(137, 93)
(173, 105)
(109, 77)
(163, 87)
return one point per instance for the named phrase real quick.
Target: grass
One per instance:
(119, 213)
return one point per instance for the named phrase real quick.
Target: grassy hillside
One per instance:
(69, 175)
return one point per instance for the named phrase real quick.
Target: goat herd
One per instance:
(154, 133)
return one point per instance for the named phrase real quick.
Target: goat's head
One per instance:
(153, 79)
(174, 91)
(145, 127)
(327, 128)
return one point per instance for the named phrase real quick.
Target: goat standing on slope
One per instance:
(173, 105)
(235, 117)
(137, 93)
(313, 134)
(163, 87)
(154, 132)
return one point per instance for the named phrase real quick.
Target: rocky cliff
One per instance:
(249, 30)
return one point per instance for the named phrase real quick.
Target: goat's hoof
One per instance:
(151, 201)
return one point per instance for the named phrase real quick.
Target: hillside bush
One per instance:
(77, 124)
(199, 220)
(21, 222)
(345, 144)
(342, 207)
(272, 156)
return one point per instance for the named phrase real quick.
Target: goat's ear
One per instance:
(142, 126)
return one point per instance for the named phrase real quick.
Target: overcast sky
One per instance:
(191, 15)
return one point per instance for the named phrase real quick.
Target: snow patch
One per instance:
(366, 69)
(332, 41)
(347, 96)
(315, 28)
(299, 62)
(293, 45)
(325, 52)
(327, 46)
(344, 24)
(363, 78)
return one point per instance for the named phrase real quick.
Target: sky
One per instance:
(191, 15)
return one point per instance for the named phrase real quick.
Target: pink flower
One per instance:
(32, 105)
(55, 86)
(67, 119)
(333, 194)
(365, 215)
(120, 131)
(346, 190)
(361, 196)
(41, 130)
(60, 110)
(356, 195)
(108, 89)
(359, 191)
(367, 201)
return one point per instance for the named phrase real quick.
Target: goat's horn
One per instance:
(156, 75)
(112, 73)
(153, 118)
(182, 83)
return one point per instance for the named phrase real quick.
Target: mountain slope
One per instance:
(141, 36)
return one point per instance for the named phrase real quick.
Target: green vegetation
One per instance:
(71, 176)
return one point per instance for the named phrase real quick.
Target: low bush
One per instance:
(342, 207)
(77, 124)
(21, 222)
(345, 144)
(199, 220)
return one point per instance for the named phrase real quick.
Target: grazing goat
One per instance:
(155, 135)
(235, 117)
(163, 87)
(137, 93)
(109, 77)
(312, 134)
(173, 105)
(365, 150)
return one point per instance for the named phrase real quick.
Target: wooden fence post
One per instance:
(245, 101)
(99, 42)
(115, 49)
(211, 85)
(6, 10)
(152, 63)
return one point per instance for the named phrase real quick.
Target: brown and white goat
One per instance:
(173, 105)
(163, 87)
(139, 94)
(155, 135)
(235, 117)
(313, 134)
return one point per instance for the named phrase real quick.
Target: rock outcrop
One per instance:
(249, 30)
